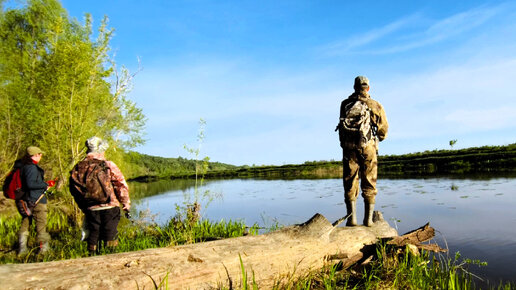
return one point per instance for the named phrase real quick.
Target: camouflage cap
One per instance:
(361, 82)
(33, 150)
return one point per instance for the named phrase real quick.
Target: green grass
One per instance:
(394, 268)
(391, 268)
(64, 227)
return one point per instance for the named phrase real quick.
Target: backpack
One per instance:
(356, 128)
(90, 183)
(12, 186)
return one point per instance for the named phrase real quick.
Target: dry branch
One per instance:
(416, 238)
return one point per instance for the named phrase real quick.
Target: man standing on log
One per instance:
(362, 125)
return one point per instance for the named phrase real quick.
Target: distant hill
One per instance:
(486, 159)
(140, 166)
(475, 160)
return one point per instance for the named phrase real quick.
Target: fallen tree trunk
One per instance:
(283, 254)
(416, 238)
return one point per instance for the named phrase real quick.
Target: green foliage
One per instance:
(394, 268)
(193, 200)
(64, 226)
(244, 283)
(163, 282)
(59, 86)
(146, 167)
(484, 159)
(313, 170)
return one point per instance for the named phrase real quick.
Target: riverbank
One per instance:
(491, 160)
(386, 268)
(64, 223)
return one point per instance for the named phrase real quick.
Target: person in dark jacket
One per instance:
(34, 186)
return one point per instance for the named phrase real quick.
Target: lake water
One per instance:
(474, 216)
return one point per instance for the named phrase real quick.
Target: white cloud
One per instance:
(357, 41)
(453, 100)
(293, 114)
(446, 28)
(399, 36)
(213, 92)
(271, 115)
(493, 116)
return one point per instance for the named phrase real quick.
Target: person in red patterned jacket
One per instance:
(102, 219)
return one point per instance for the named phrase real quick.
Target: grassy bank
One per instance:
(390, 268)
(396, 268)
(138, 233)
(476, 160)
(492, 160)
(138, 166)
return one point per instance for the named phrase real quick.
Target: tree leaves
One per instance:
(59, 86)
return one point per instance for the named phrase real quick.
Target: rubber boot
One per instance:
(111, 246)
(368, 216)
(43, 247)
(92, 250)
(351, 207)
(22, 243)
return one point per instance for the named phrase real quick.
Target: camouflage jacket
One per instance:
(121, 190)
(378, 117)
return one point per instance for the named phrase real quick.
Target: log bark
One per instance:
(417, 237)
(284, 254)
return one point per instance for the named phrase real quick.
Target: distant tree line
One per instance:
(145, 167)
(475, 160)
(486, 159)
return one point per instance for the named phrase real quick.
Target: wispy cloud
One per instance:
(357, 41)
(399, 36)
(457, 99)
(492, 117)
(445, 29)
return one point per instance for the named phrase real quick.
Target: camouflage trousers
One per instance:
(360, 164)
(39, 214)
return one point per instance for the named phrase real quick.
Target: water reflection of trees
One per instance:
(145, 189)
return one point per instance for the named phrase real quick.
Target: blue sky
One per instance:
(268, 76)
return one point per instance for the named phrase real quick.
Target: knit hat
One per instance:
(96, 145)
(33, 150)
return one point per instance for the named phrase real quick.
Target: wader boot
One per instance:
(92, 250)
(351, 207)
(43, 247)
(111, 246)
(368, 216)
(22, 243)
